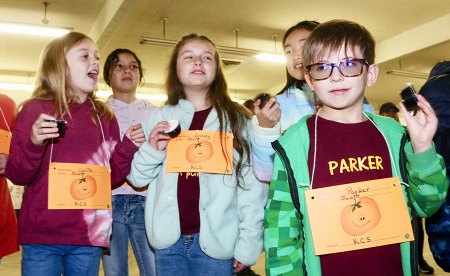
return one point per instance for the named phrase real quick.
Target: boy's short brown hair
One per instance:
(329, 37)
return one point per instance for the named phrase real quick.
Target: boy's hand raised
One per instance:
(422, 126)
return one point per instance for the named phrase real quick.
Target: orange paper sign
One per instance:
(5, 141)
(78, 186)
(358, 215)
(200, 151)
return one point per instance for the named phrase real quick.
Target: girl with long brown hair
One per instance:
(200, 222)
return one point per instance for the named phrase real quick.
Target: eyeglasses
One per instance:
(347, 67)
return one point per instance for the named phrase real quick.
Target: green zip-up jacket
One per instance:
(287, 234)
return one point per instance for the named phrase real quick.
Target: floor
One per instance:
(10, 265)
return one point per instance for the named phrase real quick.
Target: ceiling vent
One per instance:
(229, 63)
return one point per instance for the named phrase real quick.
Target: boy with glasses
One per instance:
(320, 151)
(283, 110)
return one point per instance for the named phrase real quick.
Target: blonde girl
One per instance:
(65, 240)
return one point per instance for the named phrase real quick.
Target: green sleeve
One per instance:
(283, 236)
(427, 180)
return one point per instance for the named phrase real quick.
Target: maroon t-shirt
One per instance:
(337, 143)
(189, 187)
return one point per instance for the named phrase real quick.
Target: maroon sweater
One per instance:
(28, 165)
(339, 142)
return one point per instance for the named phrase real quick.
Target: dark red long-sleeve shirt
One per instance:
(8, 224)
(82, 143)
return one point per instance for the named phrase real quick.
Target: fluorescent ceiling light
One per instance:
(158, 41)
(271, 57)
(411, 74)
(16, 86)
(221, 49)
(37, 30)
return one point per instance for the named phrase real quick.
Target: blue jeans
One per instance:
(185, 258)
(52, 260)
(128, 222)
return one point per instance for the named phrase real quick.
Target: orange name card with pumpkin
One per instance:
(78, 186)
(200, 151)
(358, 215)
(5, 141)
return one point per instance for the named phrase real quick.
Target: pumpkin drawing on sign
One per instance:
(83, 188)
(358, 218)
(200, 151)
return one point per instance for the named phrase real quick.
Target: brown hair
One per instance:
(53, 77)
(113, 59)
(228, 112)
(329, 37)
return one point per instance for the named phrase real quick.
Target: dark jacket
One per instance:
(437, 91)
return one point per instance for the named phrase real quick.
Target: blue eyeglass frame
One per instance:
(336, 65)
